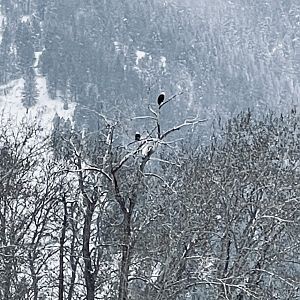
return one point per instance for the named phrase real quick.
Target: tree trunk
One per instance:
(28, 6)
(32, 257)
(6, 254)
(61, 253)
(88, 270)
(90, 208)
(7, 275)
(125, 260)
(7, 282)
(73, 259)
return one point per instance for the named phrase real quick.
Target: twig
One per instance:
(165, 161)
(186, 123)
(143, 118)
(154, 112)
(97, 113)
(160, 178)
(87, 169)
(279, 277)
(170, 99)
(126, 157)
(278, 219)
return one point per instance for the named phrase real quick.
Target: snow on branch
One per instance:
(108, 122)
(278, 219)
(126, 158)
(143, 118)
(170, 99)
(290, 282)
(160, 178)
(185, 123)
(153, 111)
(92, 169)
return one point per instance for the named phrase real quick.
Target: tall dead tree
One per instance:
(145, 150)
(122, 176)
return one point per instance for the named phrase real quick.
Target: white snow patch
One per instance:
(2, 25)
(37, 56)
(139, 55)
(163, 62)
(51, 107)
(2, 19)
(118, 46)
(43, 112)
(155, 272)
(25, 19)
(278, 47)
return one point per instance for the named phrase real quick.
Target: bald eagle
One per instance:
(161, 98)
(137, 136)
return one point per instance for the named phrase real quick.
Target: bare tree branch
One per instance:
(186, 123)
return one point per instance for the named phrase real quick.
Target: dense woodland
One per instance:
(225, 55)
(84, 218)
(205, 205)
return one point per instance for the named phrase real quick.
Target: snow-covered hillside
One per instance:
(43, 112)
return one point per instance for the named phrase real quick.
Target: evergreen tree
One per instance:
(24, 44)
(30, 93)
(7, 67)
(41, 6)
(36, 32)
(5, 55)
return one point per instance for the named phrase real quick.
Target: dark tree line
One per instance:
(226, 56)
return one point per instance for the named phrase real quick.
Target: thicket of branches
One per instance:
(83, 217)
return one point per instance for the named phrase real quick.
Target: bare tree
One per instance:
(116, 174)
(109, 221)
(19, 160)
(237, 216)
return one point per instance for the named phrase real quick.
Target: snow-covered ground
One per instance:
(43, 112)
(139, 55)
(25, 19)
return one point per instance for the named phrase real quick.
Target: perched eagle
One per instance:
(137, 136)
(161, 98)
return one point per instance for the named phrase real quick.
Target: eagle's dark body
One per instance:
(161, 99)
(137, 136)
